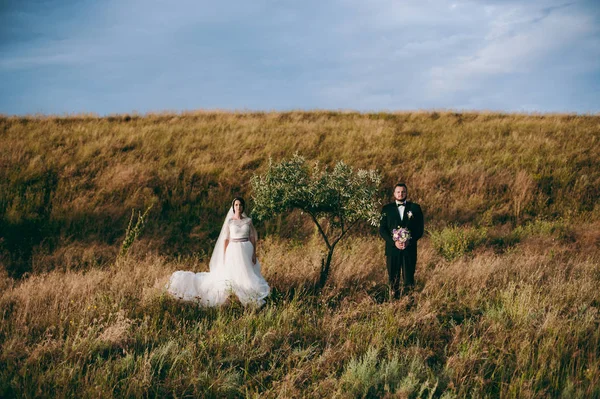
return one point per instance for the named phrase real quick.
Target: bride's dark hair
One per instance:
(241, 202)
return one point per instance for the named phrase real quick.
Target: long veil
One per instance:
(217, 259)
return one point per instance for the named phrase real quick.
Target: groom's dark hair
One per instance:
(241, 202)
(401, 185)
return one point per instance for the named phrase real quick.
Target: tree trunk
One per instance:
(325, 266)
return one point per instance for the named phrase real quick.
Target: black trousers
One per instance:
(401, 269)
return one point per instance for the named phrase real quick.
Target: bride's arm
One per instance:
(253, 239)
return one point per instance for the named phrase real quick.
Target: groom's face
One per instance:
(400, 193)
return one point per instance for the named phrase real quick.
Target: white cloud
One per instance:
(517, 43)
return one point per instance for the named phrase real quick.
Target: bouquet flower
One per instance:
(401, 234)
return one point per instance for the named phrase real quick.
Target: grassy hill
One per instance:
(506, 304)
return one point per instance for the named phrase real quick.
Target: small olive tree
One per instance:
(336, 200)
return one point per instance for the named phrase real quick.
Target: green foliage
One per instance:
(453, 242)
(340, 195)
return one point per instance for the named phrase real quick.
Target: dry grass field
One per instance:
(507, 299)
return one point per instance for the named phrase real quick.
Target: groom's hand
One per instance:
(400, 245)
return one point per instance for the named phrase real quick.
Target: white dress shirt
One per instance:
(400, 210)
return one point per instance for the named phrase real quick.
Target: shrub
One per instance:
(453, 242)
(556, 228)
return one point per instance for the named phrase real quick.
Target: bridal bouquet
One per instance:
(401, 234)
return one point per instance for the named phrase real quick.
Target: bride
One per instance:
(233, 266)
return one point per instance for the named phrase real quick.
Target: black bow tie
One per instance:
(401, 203)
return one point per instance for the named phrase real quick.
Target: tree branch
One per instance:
(344, 232)
(314, 218)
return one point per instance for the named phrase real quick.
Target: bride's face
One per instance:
(238, 208)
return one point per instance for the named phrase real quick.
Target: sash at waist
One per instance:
(238, 239)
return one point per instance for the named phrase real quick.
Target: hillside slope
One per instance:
(68, 184)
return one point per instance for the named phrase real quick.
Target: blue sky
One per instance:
(123, 56)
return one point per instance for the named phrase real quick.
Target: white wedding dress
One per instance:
(231, 270)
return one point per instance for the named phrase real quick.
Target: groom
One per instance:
(401, 257)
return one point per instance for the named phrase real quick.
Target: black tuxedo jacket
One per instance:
(390, 219)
